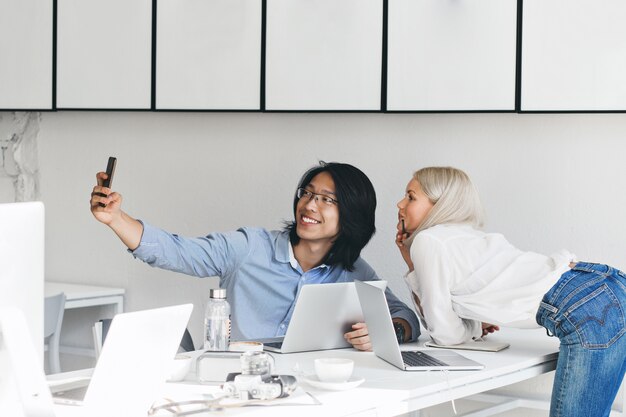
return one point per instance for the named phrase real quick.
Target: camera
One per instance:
(255, 381)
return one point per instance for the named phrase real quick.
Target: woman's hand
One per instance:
(359, 337)
(404, 250)
(489, 328)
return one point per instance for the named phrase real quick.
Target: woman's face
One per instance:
(413, 208)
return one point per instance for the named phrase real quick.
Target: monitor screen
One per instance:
(23, 389)
(22, 265)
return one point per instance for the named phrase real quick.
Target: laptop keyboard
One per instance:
(77, 394)
(415, 358)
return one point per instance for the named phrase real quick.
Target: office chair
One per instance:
(101, 328)
(54, 307)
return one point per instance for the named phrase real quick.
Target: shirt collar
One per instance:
(284, 251)
(282, 248)
(292, 258)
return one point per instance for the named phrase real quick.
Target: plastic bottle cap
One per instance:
(217, 293)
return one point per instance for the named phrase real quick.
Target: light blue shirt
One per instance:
(258, 270)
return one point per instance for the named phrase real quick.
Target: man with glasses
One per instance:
(263, 271)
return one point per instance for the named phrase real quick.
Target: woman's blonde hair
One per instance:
(454, 197)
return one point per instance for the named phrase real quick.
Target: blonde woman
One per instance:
(467, 283)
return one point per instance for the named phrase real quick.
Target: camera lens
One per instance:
(255, 363)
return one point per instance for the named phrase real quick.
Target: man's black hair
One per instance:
(357, 210)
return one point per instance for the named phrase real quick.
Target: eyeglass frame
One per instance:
(326, 199)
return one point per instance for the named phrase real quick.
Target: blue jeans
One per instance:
(586, 309)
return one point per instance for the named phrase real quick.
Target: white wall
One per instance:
(547, 181)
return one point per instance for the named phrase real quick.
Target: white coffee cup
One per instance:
(245, 347)
(333, 369)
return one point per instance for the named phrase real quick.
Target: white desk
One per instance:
(388, 391)
(78, 296)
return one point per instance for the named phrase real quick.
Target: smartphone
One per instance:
(403, 228)
(110, 171)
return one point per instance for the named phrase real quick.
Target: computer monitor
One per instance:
(23, 391)
(22, 264)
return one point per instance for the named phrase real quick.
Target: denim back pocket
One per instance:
(598, 318)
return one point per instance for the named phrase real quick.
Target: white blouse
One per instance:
(465, 276)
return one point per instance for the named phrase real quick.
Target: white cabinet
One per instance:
(451, 55)
(104, 54)
(320, 55)
(573, 55)
(26, 54)
(324, 54)
(208, 54)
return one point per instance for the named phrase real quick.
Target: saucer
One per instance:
(314, 381)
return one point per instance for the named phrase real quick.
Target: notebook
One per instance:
(133, 365)
(385, 344)
(480, 345)
(322, 315)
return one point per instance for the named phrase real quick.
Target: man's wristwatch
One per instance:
(399, 328)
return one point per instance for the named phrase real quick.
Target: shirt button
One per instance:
(282, 326)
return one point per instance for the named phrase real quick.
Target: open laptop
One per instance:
(385, 344)
(133, 365)
(323, 313)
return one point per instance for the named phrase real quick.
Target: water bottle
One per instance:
(217, 321)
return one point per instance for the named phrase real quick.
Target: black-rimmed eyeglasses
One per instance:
(303, 193)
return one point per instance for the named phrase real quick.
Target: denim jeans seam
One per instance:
(564, 283)
(560, 400)
(590, 297)
(602, 274)
(582, 266)
(588, 265)
(583, 269)
(579, 289)
(549, 307)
